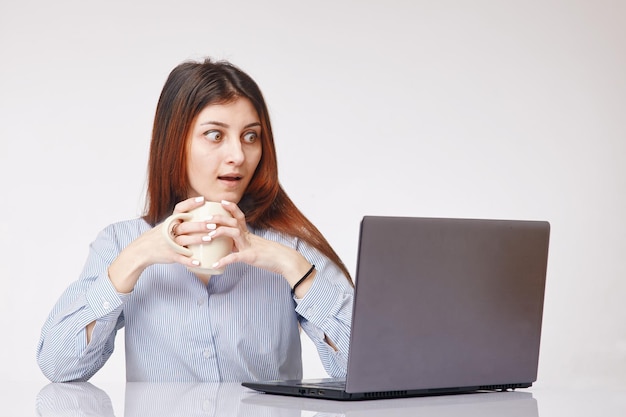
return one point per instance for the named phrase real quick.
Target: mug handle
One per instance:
(167, 225)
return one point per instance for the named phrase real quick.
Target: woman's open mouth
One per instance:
(230, 180)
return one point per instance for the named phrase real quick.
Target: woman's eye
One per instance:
(250, 137)
(214, 135)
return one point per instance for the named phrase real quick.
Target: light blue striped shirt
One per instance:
(242, 326)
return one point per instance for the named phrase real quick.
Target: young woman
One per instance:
(212, 141)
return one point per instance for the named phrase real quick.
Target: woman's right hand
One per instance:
(148, 249)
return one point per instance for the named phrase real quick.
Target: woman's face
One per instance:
(224, 150)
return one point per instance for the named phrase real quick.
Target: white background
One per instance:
(488, 109)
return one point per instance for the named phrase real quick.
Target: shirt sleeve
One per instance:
(63, 353)
(326, 311)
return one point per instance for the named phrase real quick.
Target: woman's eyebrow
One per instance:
(212, 122)
(222, 124)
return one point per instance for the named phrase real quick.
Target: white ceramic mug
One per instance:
(207, 253)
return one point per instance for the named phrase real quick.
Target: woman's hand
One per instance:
(256, 251)
(151, 248)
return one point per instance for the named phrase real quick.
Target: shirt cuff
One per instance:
(103, 299)
(322, 300)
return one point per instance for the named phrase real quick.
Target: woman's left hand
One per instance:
(256, 251)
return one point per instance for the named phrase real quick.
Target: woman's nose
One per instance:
(235, 154)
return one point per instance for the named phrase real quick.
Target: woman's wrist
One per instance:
(294, 266)
(300, 275)
(305, 284)
(125, 270)
(303, 279)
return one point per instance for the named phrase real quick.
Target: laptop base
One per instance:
(319, 389)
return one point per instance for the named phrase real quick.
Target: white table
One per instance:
(230, 399)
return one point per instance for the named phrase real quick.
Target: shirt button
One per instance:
(106, 305)
(207, 353)
(207, 405)
(200, 301)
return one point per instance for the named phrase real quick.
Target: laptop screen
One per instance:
(444, 303)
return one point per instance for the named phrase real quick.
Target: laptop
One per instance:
(441, 306)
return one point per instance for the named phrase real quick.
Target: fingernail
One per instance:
(211, 234)
(215, 264)
(210, 217)
(207, 238)
(224, 202)
(199, 199)
(211, 226)
(196, 263)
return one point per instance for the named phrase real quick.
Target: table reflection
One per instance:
(207, 399)
(484, 404)
(75, 399)
(231, 399)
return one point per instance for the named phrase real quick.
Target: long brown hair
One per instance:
(190, 87)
